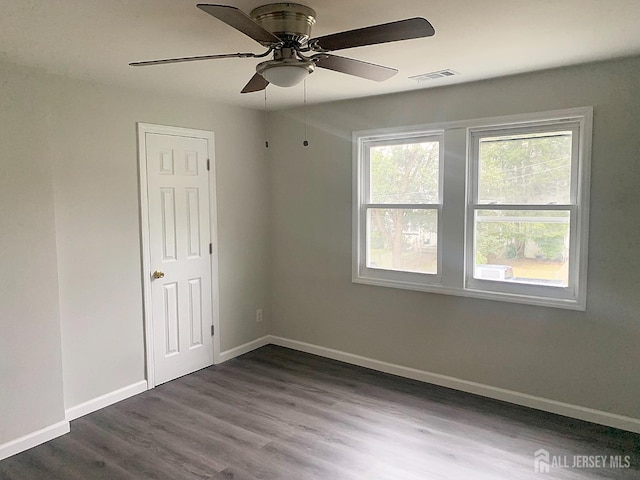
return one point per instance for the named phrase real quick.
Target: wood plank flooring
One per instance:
(280, 414)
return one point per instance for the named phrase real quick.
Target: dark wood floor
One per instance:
(280, 414)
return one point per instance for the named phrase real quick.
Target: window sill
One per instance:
(568, 304)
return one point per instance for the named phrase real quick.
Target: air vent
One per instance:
(434, 75)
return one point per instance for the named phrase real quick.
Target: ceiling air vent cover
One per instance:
(434, 75)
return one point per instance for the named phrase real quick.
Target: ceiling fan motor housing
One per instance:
(290, 22)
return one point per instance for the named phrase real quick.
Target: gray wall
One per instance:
(70, 237)
(94, 150)
(30, 362)
(583, 358)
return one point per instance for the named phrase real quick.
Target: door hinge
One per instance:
(211, 249)
(208, 164)
(212, 330)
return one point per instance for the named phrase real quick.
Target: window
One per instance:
(401, 206)
(512, 228)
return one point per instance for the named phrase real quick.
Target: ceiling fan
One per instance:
(285, 30)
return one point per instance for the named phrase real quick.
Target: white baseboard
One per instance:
(105, 400)
(33, 439)
(526, 400)
(242, 349)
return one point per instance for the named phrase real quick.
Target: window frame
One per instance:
(361, 271)
(458, 191)
(473, 205)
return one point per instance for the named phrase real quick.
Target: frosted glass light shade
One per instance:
(285, 73)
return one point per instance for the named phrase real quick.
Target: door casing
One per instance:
(143, 130)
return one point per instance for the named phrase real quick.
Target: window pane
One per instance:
(403, 240)
(522, 246)
(406, 173)
(525, 169)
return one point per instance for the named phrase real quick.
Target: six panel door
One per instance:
(179, 232)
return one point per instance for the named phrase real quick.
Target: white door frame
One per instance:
(143, 130)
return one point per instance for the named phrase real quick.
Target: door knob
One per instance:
(158, 274)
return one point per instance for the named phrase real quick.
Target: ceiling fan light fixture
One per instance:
(285, 73)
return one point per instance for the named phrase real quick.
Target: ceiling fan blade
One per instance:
(370, 71)
(192, 59)
(256, 84)
(383, 33)
(240, 21)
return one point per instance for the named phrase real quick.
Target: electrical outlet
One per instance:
(258, 315)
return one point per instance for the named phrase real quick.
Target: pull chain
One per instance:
(266, 122)
(304, 113)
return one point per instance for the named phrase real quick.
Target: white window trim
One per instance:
(453, 271)
(363, 164)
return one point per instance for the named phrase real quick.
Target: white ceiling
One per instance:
(96, 39)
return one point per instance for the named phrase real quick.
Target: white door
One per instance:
(180, 248)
